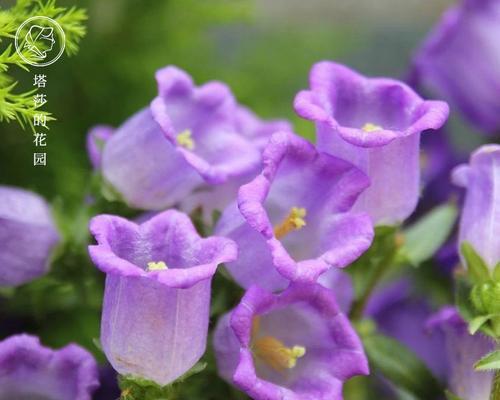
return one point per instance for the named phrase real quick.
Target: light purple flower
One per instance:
(375, 123)
(292, 222)
(96, 140)
(340, 282)
(189, 140)
(463, 351)
(480, 220)
(460, 60)
(29, 370)
(216, 197)
(256, 130)
(157, 296)
(28, 236)
(296, 345)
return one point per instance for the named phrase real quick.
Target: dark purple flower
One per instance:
(292, 222)
(28, 236)
(157, 296)
(460, 61)
(480, 221)
(375, 123)
(402, 315)
(293, 345)
(438, 158)
(29, 370)
(191, 141)
(108, 389)
(462, 352)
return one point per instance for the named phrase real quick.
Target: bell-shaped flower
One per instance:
(29, 370)
(292, 222)
(460, 61)
(463, 350)
(157, 296)
(480, 220)
(294, 345)
(193, 145)
(28, 236)
(212, 198)
(375, 123)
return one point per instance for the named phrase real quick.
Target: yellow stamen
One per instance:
(273, 351)
(369, 127)
(294, 221)
(186, 140)
(156, 266)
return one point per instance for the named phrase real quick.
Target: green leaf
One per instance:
(463, 298)
(496, 273)
(402, 367)
(477, 268)
(489, 362)
(451, 396)
(364, 267)
(424, 238)
(478, 322)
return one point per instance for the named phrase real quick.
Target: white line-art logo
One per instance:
(40, 41)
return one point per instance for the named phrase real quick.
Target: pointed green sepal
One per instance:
(489, 362)
(476, 266)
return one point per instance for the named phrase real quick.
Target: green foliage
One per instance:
(451, 396)
(425, 237)
(370, 268)
(478, 294)
(489, 362)
(402, 367)
(20, 106)
(476, 266)
(134, 388)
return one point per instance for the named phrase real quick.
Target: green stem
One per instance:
(495, 387)
(359, 305)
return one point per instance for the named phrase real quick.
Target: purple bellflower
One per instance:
(375, 123)
(462, 352)
(28, 236)
(292, 222)
(480, 220)
(157, 296)
(190, 139)
(293, 345)
(29, 370)
(460, 60)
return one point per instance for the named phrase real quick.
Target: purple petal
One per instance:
(480, 220)
(155, 322)
(28, 236)
(459, 60)
(375, 123)
(303, 314)
(29, 370)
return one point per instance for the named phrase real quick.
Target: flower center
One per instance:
(274, 352)
(186, 140)
(294, 221)
(156, 266)
(369, 127)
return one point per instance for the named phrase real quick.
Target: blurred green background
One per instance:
(263, 49)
